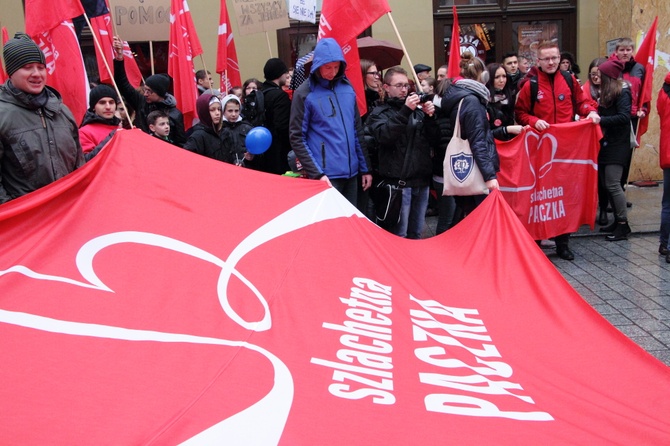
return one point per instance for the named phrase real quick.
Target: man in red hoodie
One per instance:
(555, 103)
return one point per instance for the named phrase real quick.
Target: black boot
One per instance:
(602, 217)
(609, 228)
(620, 232)
(564, 252)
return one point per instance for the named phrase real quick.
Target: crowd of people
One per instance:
(318, 132)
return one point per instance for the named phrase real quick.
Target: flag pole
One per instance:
(402, 44)
(202, 59)
(267, 38)
(151, 56)
(109, 70)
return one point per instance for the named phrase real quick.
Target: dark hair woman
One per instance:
(614, 111)
(474, 126)
(501, 106)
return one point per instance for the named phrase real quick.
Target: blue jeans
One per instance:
(413, 212)
(347, 187)
(665, 208)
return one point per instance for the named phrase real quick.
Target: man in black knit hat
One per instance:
(277, 112)
(39, 140)
(155, 96)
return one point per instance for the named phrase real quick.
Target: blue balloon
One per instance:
(258, 140)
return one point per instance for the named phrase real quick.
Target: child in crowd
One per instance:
(159, 124)
(237, 91)
(234, 130)
(205, 138)
(215, 137)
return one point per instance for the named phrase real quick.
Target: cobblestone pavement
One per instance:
(627, 282)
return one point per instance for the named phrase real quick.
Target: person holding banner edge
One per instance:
(556, 107)
(325, 126)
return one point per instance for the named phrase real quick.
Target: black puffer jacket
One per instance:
(474, 127)
(396, 129)
(277, 113)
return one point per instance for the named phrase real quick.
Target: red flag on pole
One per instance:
(44, 15)
(3, 73)
(453, 68)
(226, 54)
(102, 27)
(49, 24)
(196, 48)
(646, 55)
(180, 63)
(344, 20)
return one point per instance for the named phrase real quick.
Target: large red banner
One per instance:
(155, 296)
(550, 179)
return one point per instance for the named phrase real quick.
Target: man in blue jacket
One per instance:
(325, 125)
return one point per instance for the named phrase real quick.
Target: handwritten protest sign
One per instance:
(255, 16)
(303, 10)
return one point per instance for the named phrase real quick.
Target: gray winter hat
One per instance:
(20, 51)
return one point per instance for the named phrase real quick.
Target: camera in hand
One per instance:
(425, 97)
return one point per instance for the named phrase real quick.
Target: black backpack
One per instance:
(534, 88)
(253, 108)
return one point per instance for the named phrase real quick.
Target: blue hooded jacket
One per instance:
(325, 127)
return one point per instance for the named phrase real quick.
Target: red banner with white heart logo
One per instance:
(550, 179)
(155, 296)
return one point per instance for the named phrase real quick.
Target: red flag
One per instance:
(344, 20)
(550, 182)
(646, 55)
(453, 66)
(180, 63)
(49, 24)
(65, 66)
(44, 15)
(226, 54)
(3, 73)
(196, 48)
(156, 318)
(102, 27)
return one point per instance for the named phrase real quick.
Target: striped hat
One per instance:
(20, 51)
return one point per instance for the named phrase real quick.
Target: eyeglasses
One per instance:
(401, 86)
(594, 75)
(550, 59)
(373, 73)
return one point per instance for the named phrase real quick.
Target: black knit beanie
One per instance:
(20, 51)
(159, 83)
(274, 68)
(99, 92)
